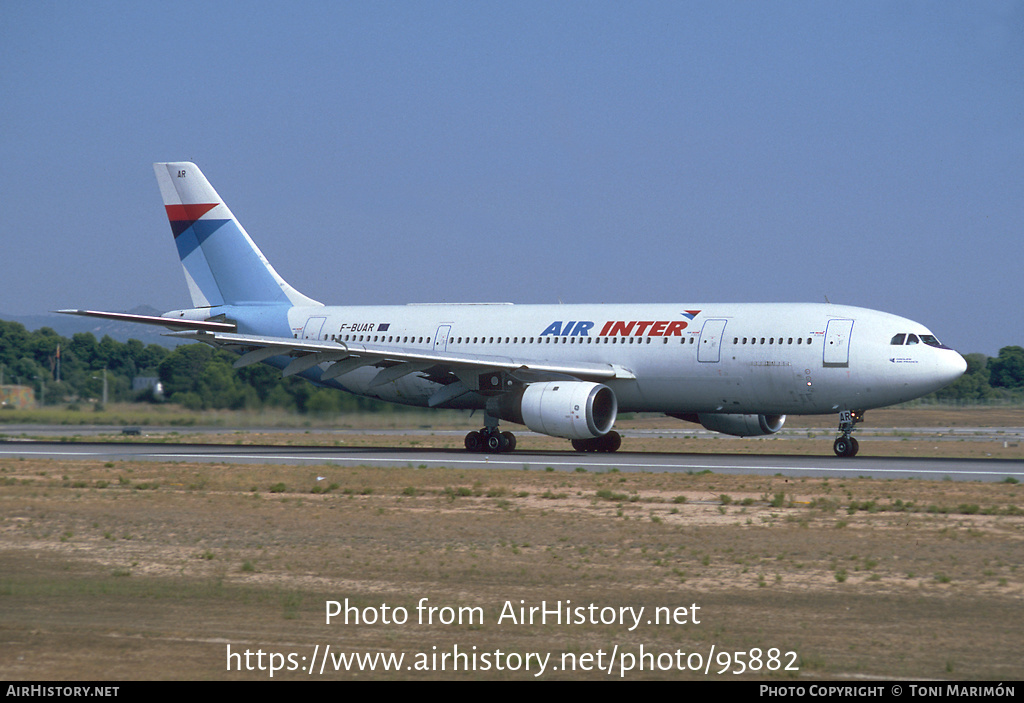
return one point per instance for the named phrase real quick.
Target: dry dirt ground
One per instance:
(136, 570)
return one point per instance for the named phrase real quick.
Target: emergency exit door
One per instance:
(837, 343)
(709, 346)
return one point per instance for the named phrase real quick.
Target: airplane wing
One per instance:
(446, 368)
(395, 362)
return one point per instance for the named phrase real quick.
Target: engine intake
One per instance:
(570, 409)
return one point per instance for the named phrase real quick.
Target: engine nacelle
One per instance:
(570, 409)
(742, 425)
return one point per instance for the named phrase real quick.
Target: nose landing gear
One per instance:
(845, 445)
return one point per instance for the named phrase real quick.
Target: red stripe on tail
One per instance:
(188, 213)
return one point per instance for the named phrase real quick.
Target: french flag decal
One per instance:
(690, 314)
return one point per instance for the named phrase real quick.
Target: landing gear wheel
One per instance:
(510, 441)
(610, 442)
(846, 447)
(490, 440)
(605, 443)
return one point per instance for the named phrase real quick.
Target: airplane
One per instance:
(560, 370)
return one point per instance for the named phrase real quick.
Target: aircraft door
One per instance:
(709, 346)
(837, 343)
(441, 338)
(313, 327)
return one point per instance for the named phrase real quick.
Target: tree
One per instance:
(180, 371)
(973, 386)
(1007, 370)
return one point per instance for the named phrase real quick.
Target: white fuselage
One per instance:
(702, 358)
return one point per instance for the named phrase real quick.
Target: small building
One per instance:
(17, 397)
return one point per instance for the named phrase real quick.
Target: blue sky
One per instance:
(392, 152)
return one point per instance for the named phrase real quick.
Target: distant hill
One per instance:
(69, 325)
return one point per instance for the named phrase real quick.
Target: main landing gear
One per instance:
(845, 445)
(490, 439)
(605, 443)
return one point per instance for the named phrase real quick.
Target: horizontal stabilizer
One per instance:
(172, 322)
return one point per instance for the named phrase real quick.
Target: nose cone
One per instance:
(950, 367)
(956, 366)
(933, 373)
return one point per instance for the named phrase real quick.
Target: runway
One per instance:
(794, 466)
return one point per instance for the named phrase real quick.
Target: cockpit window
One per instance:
(928, 339)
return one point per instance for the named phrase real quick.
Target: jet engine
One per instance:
(738, 425)
(570, 409)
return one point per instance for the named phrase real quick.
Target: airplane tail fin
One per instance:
(223, 266)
